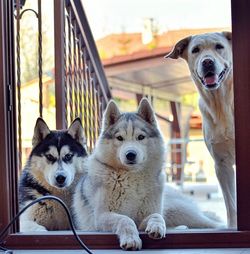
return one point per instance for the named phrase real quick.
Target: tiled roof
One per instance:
(119, 47)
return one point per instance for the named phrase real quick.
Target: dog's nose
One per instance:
(207, 62)
(60, 178)
(131, 155)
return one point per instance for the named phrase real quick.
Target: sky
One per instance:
(116, 16)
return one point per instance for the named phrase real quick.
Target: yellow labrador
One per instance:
(209, 57)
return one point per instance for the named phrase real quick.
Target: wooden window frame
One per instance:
(65, 240)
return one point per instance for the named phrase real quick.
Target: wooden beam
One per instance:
(241, 67)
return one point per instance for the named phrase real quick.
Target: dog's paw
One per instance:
(131, 242)
(27, 226)
(156, 230)
(156, 226)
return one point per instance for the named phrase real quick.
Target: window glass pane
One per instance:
(132, 38)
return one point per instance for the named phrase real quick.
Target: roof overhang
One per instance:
(149, 73)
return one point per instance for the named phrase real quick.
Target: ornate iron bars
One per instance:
(79, 73)
(19, 4)
(81, 88)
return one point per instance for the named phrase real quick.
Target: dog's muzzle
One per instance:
(211, 80)
(60, 178)
(208, 64)
(131, 156)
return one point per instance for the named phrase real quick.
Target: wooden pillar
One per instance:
(8, 138)
(176, 149)
(61, 117)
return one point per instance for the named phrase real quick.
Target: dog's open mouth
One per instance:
(212, 80)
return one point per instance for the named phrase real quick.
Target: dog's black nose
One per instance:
(131, 155)
(60, 178)
(208, 63)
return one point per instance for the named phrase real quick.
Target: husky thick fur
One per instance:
(123, 189)
(53, 168)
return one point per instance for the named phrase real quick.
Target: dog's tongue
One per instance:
(211, 79)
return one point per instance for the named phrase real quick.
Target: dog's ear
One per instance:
(111, 115)
(146, 112)
(179, 49)
(40, 132)
(228, 35)
(76, 131)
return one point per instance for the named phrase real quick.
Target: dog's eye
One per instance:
(68, 157)
(195, 50)
(219, 46)
(120, 138)
(50, 157)
(140, 137)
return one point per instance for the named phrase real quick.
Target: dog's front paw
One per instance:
(156, 226)
(130, 242)
(156, 230)
(27, 226)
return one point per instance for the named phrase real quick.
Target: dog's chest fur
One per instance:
(135, 194)
(50, 213)
(218, 114)
(126, 192)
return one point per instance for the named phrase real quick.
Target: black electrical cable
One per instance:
(5, 250)
(31, 204)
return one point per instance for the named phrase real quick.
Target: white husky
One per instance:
(123, 190)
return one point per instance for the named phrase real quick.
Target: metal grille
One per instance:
(18, 16)
(86, 86)
(81, 88)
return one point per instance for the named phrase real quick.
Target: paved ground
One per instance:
(208, 196)
(214, 204)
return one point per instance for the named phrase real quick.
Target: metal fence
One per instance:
(81, 88)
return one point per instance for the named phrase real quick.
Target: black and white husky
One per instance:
(124, 189)
(53, 168)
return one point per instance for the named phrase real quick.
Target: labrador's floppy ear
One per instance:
(76, 131)
(228, 35)
(179, 49)
(146, 112)
(40, 132)
(111, 115)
